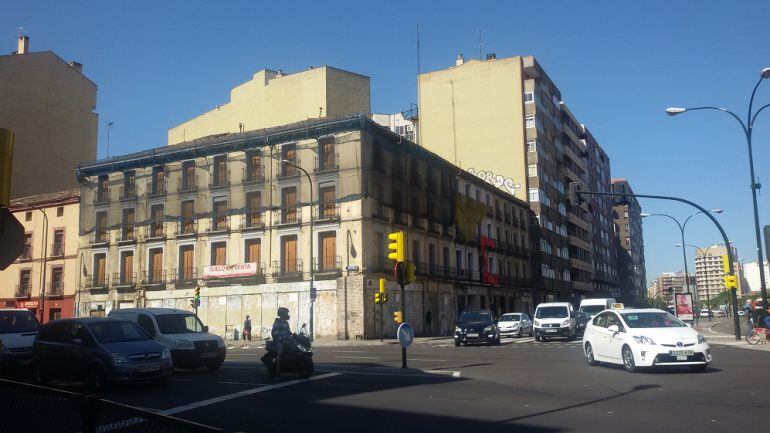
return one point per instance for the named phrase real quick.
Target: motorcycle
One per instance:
(297, 357)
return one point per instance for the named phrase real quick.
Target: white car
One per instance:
(18, 329)
(644, 338)
(514, 324)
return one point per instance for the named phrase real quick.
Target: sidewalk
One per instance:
(722, 332)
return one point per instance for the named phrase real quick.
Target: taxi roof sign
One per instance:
(617, 306)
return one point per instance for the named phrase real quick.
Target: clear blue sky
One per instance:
(618, 65)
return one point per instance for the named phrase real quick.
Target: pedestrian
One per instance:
(247, 330)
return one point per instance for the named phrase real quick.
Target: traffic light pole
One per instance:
(730, 258)
(403, 312)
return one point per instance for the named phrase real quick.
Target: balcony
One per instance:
(219, 179)
(490, 212)
(574, 240)
(420, 222)
(124, 280)
(127, 233)
(252, 220)
(401, 218)
(380, 212)
(290, 269)
(57, 250)
(126, 194)
(187, 227)
(288, 216)
(219, 224)
(288, 170)
(23, 290)
(328, 267)
(448, 232)
(499, 215)
(100, 237)
(154, 280)
(26, 254)
(254, 174)
(328, 212)
(187, 184)
(511, 281)
(328, 162)
(156, 230)
(507, 218)
(157, 189)
(184, 276)
(95, 283)
(55, 289)
(102, 197)
(434, 228)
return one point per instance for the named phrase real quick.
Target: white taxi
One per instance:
(644, 338)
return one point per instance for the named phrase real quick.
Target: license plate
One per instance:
(551, 331)
(681, 355)
(472, 335)
(209, 355)
(148, 368)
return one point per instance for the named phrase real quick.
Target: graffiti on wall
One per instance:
(504, 183)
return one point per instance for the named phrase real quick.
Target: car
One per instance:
(555, 319)
(704, 314)
(636, 338)
(476, 327)
(721, 313)
(592, 307)
(99, 350)
(18, 329)
(581, 321)
(182, 332)
(514, 324)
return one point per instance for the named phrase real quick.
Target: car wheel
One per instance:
(698, 368)
(307, 369)
(590, 355)
(519, 334)
(537, 338)
(628, 360)
(96, 378)
(38, 374)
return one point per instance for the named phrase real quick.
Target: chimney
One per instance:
(76, 66)
(459, 60)
(491, 56)
(23, 45)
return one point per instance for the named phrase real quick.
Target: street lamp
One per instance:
(312, 299)
(748, 128)
(703, 254)
(682, 226)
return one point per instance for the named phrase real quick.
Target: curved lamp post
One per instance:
(748, 128)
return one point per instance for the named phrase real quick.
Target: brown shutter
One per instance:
(186, 264)
(329, 251)
(219, 254)
(328, 199)
(128, 267)
(289, 254)
(253, 251)
(290, 204)
(328, 155)
(156, 265)
(100, 266)
(220, 210)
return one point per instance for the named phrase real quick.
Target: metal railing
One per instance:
(288, 170)
(55, 288)
(157, 189)
(254, 174)
(400, 217)
(220, 178)
(154, 278)
(127, 193)
(102, 196)
(123, 279)
(288, 216)
(419, 222)
(327, 162)
(156, 230)
(127, 233)
(380, 211)
(100, 236)
(187, 227)
(328, 211)
(57, 249)
(23, 290)
(328, 264)
(26, 253)
(91, 282)
(288, 268)
(252, 220)
(184, 275)
(219, 223)
(188, 183)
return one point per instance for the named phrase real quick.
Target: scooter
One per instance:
(299, 360)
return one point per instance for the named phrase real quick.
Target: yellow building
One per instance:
(48, 104)
(272, 98)
(51, 242)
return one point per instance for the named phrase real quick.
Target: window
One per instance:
(57, 280)
(102, 189)
(146, 323)
(158, 186)
(126, 276)
(127, 229)
(218, 253)
(529, 97)
(327, 243)
(101, 227)
(26, 254)
(253, 251)
(467, 190)
(24, 288)
(155, 262)
(28, 216)
(289, 204)
(129, 184)
(625, 214)
(220, 221)
(220, 175)
(470, 262)
(289, 262)
(156, 226)
(532, 146)
(100, 270)
(532, 170)
(289, 153)
(459, 259)
(328, 202)
(416, 251)
(60, 211)
(54, 314)
(491, 266)
(254, 165)
(327, 159)
(189, 180)
(534, 195)
(489, 231)
(188, 217)
(530, 121)
(186, 263)
(253, 209)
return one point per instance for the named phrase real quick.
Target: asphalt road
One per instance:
(518, 386)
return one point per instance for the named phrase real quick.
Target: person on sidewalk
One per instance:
(282, 336)
(247, 330)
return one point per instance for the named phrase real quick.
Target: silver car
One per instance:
(514, 325)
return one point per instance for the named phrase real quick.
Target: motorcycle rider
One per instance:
(282, 336)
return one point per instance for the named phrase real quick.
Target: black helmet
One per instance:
(283, 313)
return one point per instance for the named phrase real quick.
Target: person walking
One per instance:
(247, 331)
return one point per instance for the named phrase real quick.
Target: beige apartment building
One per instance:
(232, 215)
(504, 121)
(273, 98)
(49, 105)
(710, 274)
(49, 262)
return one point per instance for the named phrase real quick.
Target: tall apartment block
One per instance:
(504, 121)
(630, 251)
(49, 105)
(710, 274)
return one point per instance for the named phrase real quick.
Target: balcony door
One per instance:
(186, 268)
(253, 251)
(156, 265)
(100, 266)
(328, 246)
(289, 202)
(126, 267)
(289, 254)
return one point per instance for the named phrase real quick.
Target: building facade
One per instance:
(403, 124)
(630, 244)
(45, 277)
(710, 273)
(233, 216)
(504, 121)
(751, 272)
(49, 106)
(670, 283)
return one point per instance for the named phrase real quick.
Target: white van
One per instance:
(18, 329)
(182, 332)
(554, 319)
(592, 307)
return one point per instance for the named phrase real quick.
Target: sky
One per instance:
(618, 66)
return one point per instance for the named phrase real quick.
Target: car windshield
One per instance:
(592, 310)
(17, 322)
(475, 316)
(551, 312)
(510, 318)
(652, 320)
(179, 323)
(117, 331)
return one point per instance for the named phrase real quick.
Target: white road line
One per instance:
(357, 357)
(452, 373)
(215, 400)
(426, 359)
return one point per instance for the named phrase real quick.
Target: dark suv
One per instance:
(98, 350)
(476, 327)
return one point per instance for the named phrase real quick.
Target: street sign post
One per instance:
(405, 336)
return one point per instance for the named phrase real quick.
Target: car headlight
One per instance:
(166, 353)
(458, 329)
(183, 344)
(488, 328)
(117, 358)
(537, 323)
(701, 339)
(565, 323)
(641, 339)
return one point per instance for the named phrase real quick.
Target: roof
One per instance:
(47, 53)
(89, 319)
(45, 200)
(155, 311)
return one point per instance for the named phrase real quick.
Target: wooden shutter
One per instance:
(188, 213)
(219, 254)
(253, 251)
(221, 170)
(253, 204)
(220, 210)
(100, 263)
(328, 251)
(189, 175)
(127, 267)
(328, 155)
(328, 199)
(290, 204)
(156, 265)
(186, 264)
(289, 254)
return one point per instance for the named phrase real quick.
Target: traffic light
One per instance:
(575, 188)
(398, 317)
(381, 296)
(396, 246)
(377, 298)
(192, 303)
(197, 299)
(731, 281)
(410, 272)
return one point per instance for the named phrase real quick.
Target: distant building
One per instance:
(273, 98)
(628, 229)
(49, 106)
(50, 246)
(670, 283)
(403, 124)
(751, 274)
(709, 271)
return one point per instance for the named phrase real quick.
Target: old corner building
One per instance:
(232, 214)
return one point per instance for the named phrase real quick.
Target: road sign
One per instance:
(405, 335)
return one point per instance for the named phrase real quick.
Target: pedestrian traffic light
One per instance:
(197, 299)
(575, 188)
(396, 246)
(398, 317)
